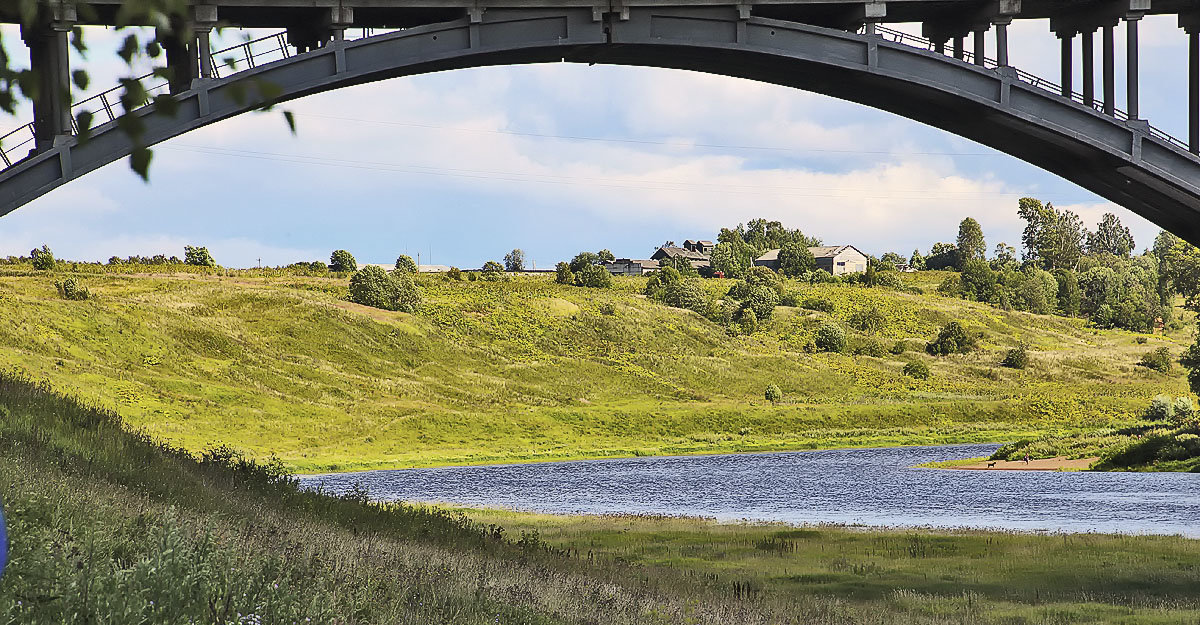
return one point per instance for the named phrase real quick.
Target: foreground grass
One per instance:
(110, 527)
(974, 576)
(281, 365)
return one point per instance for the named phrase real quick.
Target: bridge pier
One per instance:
(1109, 71)
(1131, 64)
(1001, 25)
(49, 55)
(1089, 67)
(977, 38)
(206, 21)
(1067, 69)
(1190, 23)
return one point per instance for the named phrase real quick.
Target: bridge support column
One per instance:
(980, 51)
(1194, 91)
(206, 20)
(1002, 40)
(50, 58)
(1089, 67)
(1068, 67)
(1110, 82)
(1131, 65)
(958, 48)
(179, 42)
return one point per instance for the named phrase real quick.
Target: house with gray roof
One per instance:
(838, 260)
(671, 255)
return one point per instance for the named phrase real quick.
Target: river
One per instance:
(873, 487)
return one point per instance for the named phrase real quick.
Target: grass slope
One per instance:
(530, 370)
(110, 527)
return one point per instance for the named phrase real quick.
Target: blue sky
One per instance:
(463, 166)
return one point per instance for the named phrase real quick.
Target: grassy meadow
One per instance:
(109, 526)
(281, 365)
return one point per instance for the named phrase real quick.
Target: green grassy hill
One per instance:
(530, 370)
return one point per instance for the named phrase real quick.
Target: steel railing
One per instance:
(255, 52)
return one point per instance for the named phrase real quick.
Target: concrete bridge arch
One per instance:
(1122, 161)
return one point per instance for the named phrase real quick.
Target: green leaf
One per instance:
(290, 118)
(139, 161)
(80, 78)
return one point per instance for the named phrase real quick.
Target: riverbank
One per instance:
(280, 365)
(108, 526)
(1058, 463)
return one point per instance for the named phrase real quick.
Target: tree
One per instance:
(952, 339)
(341, 261)
(1052, 238)
(1069, 297)
(1110, 237)
(762, 300)
(970, 242)
(1005, 257)
(594, 276)
(978, 280)
(917, 261)
(492, 271)
(773, 394)
(891, 261)
(942, 256)
(830, 337)
(1179, 269)
(376, 288)
(405, 264)
(733, 257)
(198, 257)
(1191, 361)
(43, 258)
(795, 259)
(514, 261)
(584, 259)
(563, 274)
(605, 256)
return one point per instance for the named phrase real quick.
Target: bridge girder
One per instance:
(1118, 160)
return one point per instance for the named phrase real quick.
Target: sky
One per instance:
(460, 167)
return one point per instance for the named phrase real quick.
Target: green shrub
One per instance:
(870, 347)
(198, 257)
(594, 276)
(472, 276)
(1016, 358)
(606, 308)
(790, 298)
(952, 286)
(342, 261)
(819, 304)
(376, 288)
(68, 288)
(1160, 409)
(761, 299)
(830, 337)
(454, 274)
(952, 339)
(405, 263)
(43, 258)
(1141, 340)
(773, 393)
(563, 274)
(492, 271)
(747, 321)
(900, 347)
(1183, 410)
(870, 320)
(1158, 360)
(917, 370)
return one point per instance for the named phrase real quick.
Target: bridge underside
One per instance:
(1120, 161)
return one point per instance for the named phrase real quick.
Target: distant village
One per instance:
(835, 259)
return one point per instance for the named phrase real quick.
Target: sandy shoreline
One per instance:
(1060, 463)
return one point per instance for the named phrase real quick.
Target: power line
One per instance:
(541, 178)
(680, 144)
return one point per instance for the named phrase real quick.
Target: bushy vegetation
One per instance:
(916, 369)
(830, 337)
(585, 270)
(1159, 360)
(514, 261)
(198, 257)
(342, 261)
(953, 338)
(377, 288)
(773, 393)
(1016, 358)
(71, 289)
(405, 264)
(42, 258)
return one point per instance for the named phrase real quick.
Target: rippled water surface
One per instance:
(854, 486)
